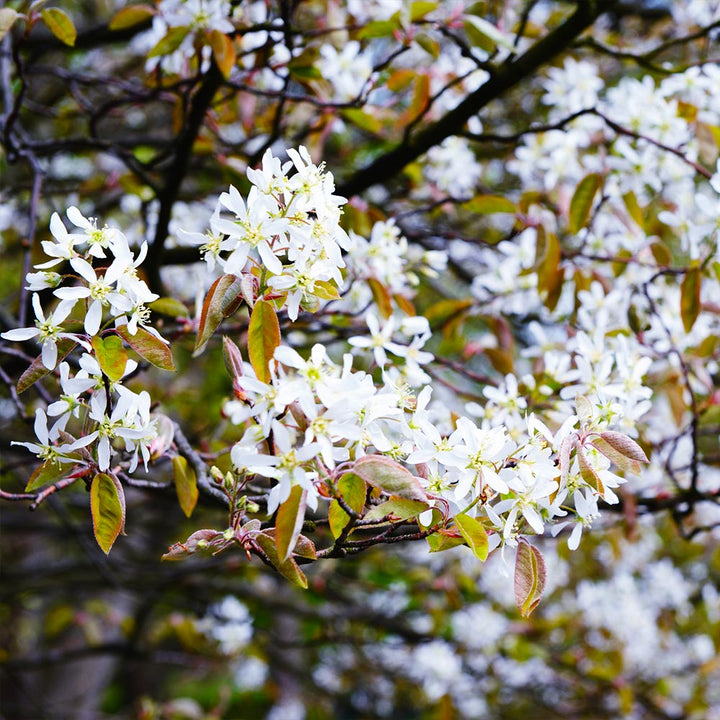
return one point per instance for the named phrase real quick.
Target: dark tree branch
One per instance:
(505, 77)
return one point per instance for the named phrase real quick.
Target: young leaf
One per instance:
(107, 504)
(223, 52)
(690, 297)
(488, 204)
(170, 42)
(7, 20)
(588, 472)
(353, 490)
(582, 201)
(289, 568)
(214, 309)
(399, 508)
(130, 16)
(148, 346)
(381, 296)
(474, 535)
(529, 578)
(289, 522)
(37, 370)
(444, 540)
(111, 355)
(60, 25)
(390, 477)
(617, 458)
(625, 445)
(169, 307)
(199, 540)
(50, 471)
(185, 484)
(263, 338)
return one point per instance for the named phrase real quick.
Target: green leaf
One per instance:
(8, 16)
(223, 52)
(289, 522)
(399, 508)
(148, 346)
(110, 354)
(353, 490)
(289, 568)
(444, 540)
(263, 338)
(170, 42)
(60, 25)
(49, 472)
(690, 297)
(420, 8)
(199, 540)
(107, 504)
(529, 578)
(474, 535)
(37, 370)
(378, 28)
(582, 202)
(391, 477)
(130, 16)
(484, 35)
(365, 121)
(488, 204)
(220, 297)
(185, 484)
(169, 307)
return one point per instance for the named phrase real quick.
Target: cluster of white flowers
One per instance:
(111, 294)
(286, 236)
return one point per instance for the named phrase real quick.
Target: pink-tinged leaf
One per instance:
(304, 547)
(625, 445)
(49, 472)
(185, 484)
(199, 540)
(381, 296)
(110, 354)
(474, 535)
(621, 461)
(566, 446)
(36, 371)
(530, 577)
(219, 297)
(444, 540)
(223, 52)
(130, 16)
(263, 338)
(398, 509)
(690, 297)
(60, 25)
(588, 472)
(170, 42)
(148, 346)
(232, 358)
(289, 521)
(107, 504)
(391, 477)
(289, 568)
(582, 202)
(353, 490)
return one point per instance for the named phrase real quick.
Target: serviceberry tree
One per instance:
(289, 283)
